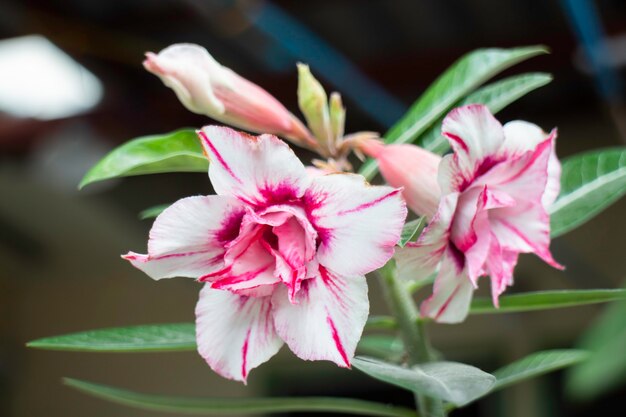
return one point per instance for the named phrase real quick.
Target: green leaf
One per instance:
(606, 367)
(226, 406)
(152, 212)
(463, 77)
(411, 229)
(381, 346)
(149, 338)
(178, 151)
(455, 382)
(495, 96)
(590, 182)
(380, 323)
(543, 300)
(152, 337)
(536, 364)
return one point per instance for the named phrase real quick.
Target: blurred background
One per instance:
(72, 87)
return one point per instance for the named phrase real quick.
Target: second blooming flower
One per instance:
(486, 203)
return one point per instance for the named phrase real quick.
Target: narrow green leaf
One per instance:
(495, 96)
(381, 346)
(152, 212)
(605, 369)
(410, 230)
(590, 182)
(380, 323)
(536, 364)
(178, 151)
(544, 300)
(455, 382)
(149, 338)
(463, 77)
(152, 337)
(227, 406)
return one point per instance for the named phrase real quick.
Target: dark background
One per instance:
(59, 248)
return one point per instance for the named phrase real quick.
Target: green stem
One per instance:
(412, 331)
(238, 406)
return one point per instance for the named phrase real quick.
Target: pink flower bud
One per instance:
(206, 87)
(410, 167)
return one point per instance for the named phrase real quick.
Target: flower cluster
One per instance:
(282, 249)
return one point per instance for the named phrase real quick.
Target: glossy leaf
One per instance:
(239, 406)
(455, 382)
(536, 364)
(544, 300)
(590, 182)
(153, 337)
(605, 369)
(178, 151)
(463, 77)
(152, 212)
(411, 230)
(495, 96)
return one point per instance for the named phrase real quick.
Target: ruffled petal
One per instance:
(521, 137)
(524, 227)
(452, 292)
(418, 260)
(327, 321)
(480, 250)
(234, 333)
(188, 238)
(252, 268)
(475, 136)
(259, 170)
(500, 268)
(358, 225)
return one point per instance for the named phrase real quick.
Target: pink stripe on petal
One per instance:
(446, 304)
(369, 204)
(327, 321)
(458, 140)
(234, 333)
(358, 225)
(542, 252)
(218, 156)
(337, 341)
(244, 357)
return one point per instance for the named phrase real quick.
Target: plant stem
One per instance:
(412, 331)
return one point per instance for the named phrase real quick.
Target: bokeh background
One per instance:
(60, 269)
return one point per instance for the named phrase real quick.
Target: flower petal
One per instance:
(452, 292)
(254, 267)
(480, 251)
(188, 238)
(418, 260)
(358, 225)
(327, 321)
(475, 136)
(259, 170)
(234, 333)
(524, 227)
(521, 137)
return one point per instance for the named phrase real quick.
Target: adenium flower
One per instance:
(206, 87)
(486, 203)
(282, 253)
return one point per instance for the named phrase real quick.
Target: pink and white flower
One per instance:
(204, 86)
(283, 253)
(494, 191)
